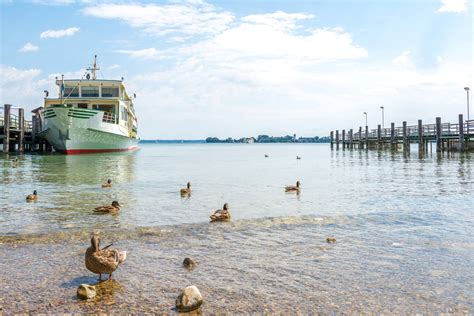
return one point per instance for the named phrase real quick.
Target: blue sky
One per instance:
(242, 68)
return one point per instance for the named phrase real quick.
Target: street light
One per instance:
(365, 118)
(467, 92)
(383, 125)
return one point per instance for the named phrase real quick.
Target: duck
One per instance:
(15, 162)
(292, 188)
(298, 157)
(187, 190)
(103, 261)
(188, 263)
(32, 197)
(108, 184)
(113, 208)
(266, 156)
(221, 215)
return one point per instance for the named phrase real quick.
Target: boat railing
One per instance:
(109, 118)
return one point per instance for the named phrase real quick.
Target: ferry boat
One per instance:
(90, 115)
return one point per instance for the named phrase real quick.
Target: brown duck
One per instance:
(103, 261)
(221, 215)
(113, 208)
(32, 197)
(292, 188)
(108, 184)
(187, 190)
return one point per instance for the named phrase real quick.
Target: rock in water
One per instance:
(188, 262)
(86, 291)
(189, 300)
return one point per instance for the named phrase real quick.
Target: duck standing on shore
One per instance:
(221, 215)
(108, 184)
(187, 190)
(32, 197)
(292, 188)
(103, 261)
(113, 208)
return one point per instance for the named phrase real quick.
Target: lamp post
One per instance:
(365, 118)
(467, 92)
(383, 125)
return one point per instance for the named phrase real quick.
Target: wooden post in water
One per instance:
(21, 127)
(461, 133)
(360, 137)
(438, 135)
(366, 136)
(34, 128)
(351, 138)
(392, 134)
(343, 138)
(405, 136)
(420, 136)
(332, 138)
(337, 139)
(6, 127)
(379, 135)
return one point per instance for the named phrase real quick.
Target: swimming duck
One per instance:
(187, 190)
(113, 208)
(298, 157)
(32, 197)
(221, 215)
(15, 162)
(292, 188)
(104, 260)
(266, 156)
(108, 184)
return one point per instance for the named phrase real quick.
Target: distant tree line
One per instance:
(271, 139)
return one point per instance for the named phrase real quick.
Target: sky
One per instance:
(240, 68)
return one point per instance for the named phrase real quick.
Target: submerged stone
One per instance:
(189, 300)
(86, 291)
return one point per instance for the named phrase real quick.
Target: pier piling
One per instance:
(461, 133)
(420, 136)
(438, 134)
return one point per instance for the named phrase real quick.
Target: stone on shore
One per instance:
(86, 291)
(189, 300)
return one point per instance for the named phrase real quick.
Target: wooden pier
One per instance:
(20, 135)
(457, 136)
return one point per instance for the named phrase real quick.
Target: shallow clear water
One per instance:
(403, 224)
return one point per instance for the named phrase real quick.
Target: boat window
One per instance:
(124, 114)
(82, 105)
(71, 92)
(104, 107)
(90, 92)
(110, 92)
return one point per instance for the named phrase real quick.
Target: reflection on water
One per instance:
(402, 223)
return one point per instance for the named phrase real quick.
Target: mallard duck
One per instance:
(113, 208)
(266, 156)
(187, 190)
(108, 184)
(15, 162)
(221, 215)
(32, 197)
(298, 157)
(292, 188)
(104, 260)
(331, 240)
(188, 263)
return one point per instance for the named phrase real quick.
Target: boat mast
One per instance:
(94, 68)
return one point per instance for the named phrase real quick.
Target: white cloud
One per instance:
(20, 86)
(403, 59)
(278, 20)
(59, 33)
(147, 53)
(28, 48)
(188, 18)
(455, 6)
(53, 2)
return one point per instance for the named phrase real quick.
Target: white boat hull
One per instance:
(76, 131)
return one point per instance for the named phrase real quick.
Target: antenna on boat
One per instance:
(94, 68)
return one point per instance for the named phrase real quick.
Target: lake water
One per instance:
(403, 224)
